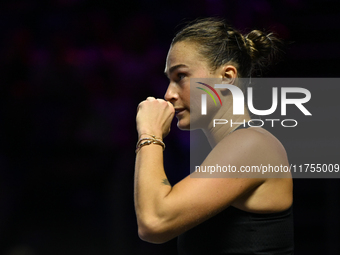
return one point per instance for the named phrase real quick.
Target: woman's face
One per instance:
(184, 62)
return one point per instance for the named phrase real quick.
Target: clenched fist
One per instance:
(154, 117)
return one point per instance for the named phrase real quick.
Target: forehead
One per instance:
(183, 53)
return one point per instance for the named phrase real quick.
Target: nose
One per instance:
(171, 94)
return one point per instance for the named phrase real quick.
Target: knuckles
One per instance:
(159, 103)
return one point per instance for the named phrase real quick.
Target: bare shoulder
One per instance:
(258, 149)
(251, 146)
(258, 137)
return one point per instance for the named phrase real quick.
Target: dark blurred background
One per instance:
(72, 73)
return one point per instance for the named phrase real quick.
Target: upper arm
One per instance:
(194, 200)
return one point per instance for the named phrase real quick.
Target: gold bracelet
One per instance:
(150, 139)
(147, 141)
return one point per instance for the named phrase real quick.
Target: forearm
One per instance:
(152, 207)
(151, 186)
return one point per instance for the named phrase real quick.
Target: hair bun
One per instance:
(262, 47)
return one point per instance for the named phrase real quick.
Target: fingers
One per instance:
(147, 99)
(153, 99)
(150, 99)
(154, 115)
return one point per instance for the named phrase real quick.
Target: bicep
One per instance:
(197, 198)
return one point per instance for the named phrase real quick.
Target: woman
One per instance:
(212, 215)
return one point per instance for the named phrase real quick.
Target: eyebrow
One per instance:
(173, 68)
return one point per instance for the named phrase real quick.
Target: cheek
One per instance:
(194, 100)
(212, 104)
(185, 95)
(197, 90)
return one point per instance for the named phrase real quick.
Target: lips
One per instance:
(179, 110)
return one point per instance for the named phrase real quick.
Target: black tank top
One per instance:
(234, 231)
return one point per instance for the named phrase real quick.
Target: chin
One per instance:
(188, 122)
(183, 125)
(187, 126)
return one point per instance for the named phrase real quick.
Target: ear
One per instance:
(229, 74)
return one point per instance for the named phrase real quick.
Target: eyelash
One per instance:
(179, 76)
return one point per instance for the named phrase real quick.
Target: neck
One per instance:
(225, 123)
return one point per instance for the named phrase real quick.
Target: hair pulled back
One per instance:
(220, 44)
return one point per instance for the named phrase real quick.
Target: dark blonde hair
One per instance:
(220, 44)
